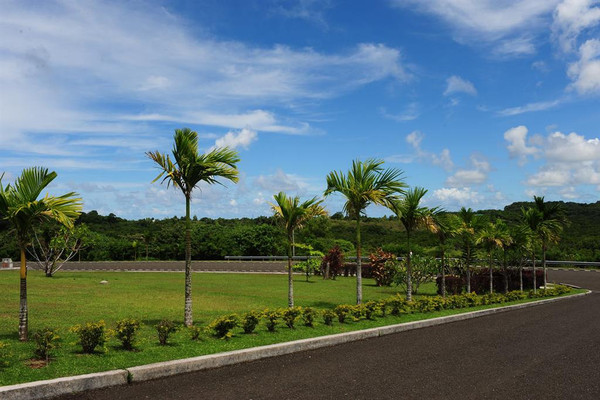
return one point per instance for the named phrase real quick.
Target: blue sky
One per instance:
(482, 102)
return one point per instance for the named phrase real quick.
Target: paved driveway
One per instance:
(546, 352)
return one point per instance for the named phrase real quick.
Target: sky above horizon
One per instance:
(482, 102)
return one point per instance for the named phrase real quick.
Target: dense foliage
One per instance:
(114, 238)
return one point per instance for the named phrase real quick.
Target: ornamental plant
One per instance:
(164, 329)
(223, 326)
(5, 355)
(249, 321)
(383, 267)
(125, 332)
(342, 312)
(91, 336)
(356, 312)
(46, 340)
(289, 316)
(308, 316)
(370, 308)
(272, 317)
(328, 316)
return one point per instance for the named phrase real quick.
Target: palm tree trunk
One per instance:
(358, 263)
(491, 275)
(290, 280)
(505, 267)
(534, 277)
(468, 268)
(521, 273)
(188, 319)
(443, 276)
(408, 271)
(23, 314)
(544, 246)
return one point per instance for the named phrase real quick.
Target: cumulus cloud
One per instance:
(236, 140)
(517, 146)
(475, 175)
(456, 84)
(443, 159)
(280, 181)
(457, 197)
(571, 17)
(585, 73)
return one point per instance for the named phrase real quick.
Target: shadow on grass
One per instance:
(323, 304)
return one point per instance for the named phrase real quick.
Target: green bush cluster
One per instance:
(126, 330)
(91, 335)
(45, 340)
(164, 329)
(5, 355)
(223, 326)
(249, 321)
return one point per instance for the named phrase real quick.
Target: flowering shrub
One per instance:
(272, 317)
(223, 326)
(328, 316)
(383, 267)
(308, 316)
(46, 340)
(91, 335)
(289, 316)
(126, 330)
(249, 321)
(342, 312)
(164, 329)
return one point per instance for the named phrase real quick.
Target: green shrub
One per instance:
(222, 326)
(398, 305)
(126, 330)
(91, 335)
(342, 312)
(328, 316)
(383, 306)
(249, 321)
(164, 329)
(370, 308)
(272, 317)
(357, 312)
(5, 355)
(289, 316)
(195, 332)
(308, 316)
(45, 340)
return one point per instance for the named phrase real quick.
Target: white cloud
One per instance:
(585, 73)
(415, 138)
(515, 47)
(309, 10)
(531, 107)
(235, 140)
(457, 196)
(550, 176)
(280, 181)
(572, 148)
(475, 175)
(571, 18)
(456, 84)
(517, 146)
(410, 113)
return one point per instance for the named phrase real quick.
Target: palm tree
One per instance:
(412, 216)
(532, 218)
(520, 247)
(187, 171)
(469, 222)
(292, 214)
(504, 234)
(444, 227)
(552, 223)
(365, 183)
(490, 237)
(20, 206)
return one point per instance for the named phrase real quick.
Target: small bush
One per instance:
(46, 340)
(308, 316)
(335, 258)
(357, 312)
(272, 317)
(164, 329)
(195, 332)
(5, 355)
(289, 316)
(328, 316)
(91, 335)
(370, 308)
(249, 321)
(126, 330)
(342, 312)
(383, 267)
(222, 326)
(383, 306)
(398, 305)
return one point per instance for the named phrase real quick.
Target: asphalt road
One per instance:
(545, 352)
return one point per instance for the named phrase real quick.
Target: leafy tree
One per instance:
(292, 215)
(490, 237)
(469, 222)
(551, 225)
(187, 171)
(444, 227)
(532, 218)
(365, 183)
(412, 216)
(20, 206)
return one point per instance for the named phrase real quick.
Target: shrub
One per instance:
(308, 316)
(342, 312)
(195, 332)
(126, 330)
(370, 308)
(289, 316)
(383, 306)
(272, 317)
(383, 267)
(249, 321)
(328, 316)
(335, 258)
(398, 305)
(46, 340)
(5, 355)
(357, 312)
(429, 304)
(454, 284)
(223, 326)
(164, 329)
(424, 269)
(91, 335)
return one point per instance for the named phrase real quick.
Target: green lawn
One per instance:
(72, 298)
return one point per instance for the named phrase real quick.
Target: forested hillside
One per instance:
(114, 238)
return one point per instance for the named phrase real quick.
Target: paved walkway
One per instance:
(545, 352)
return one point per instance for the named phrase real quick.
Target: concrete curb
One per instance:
(66, 385)
(80, 383)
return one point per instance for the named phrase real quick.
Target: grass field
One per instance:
(72, 298)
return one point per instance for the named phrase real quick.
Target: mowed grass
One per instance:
(72, 298)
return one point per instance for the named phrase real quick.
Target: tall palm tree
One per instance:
(412, 216)
(186, 172)
(505, 236)
(292, 214)
(20, 206)
(551, 226)
(469, 223)
(532, 218)
(444, 227)
(519, 247)
(490, 237)
(365, 183)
